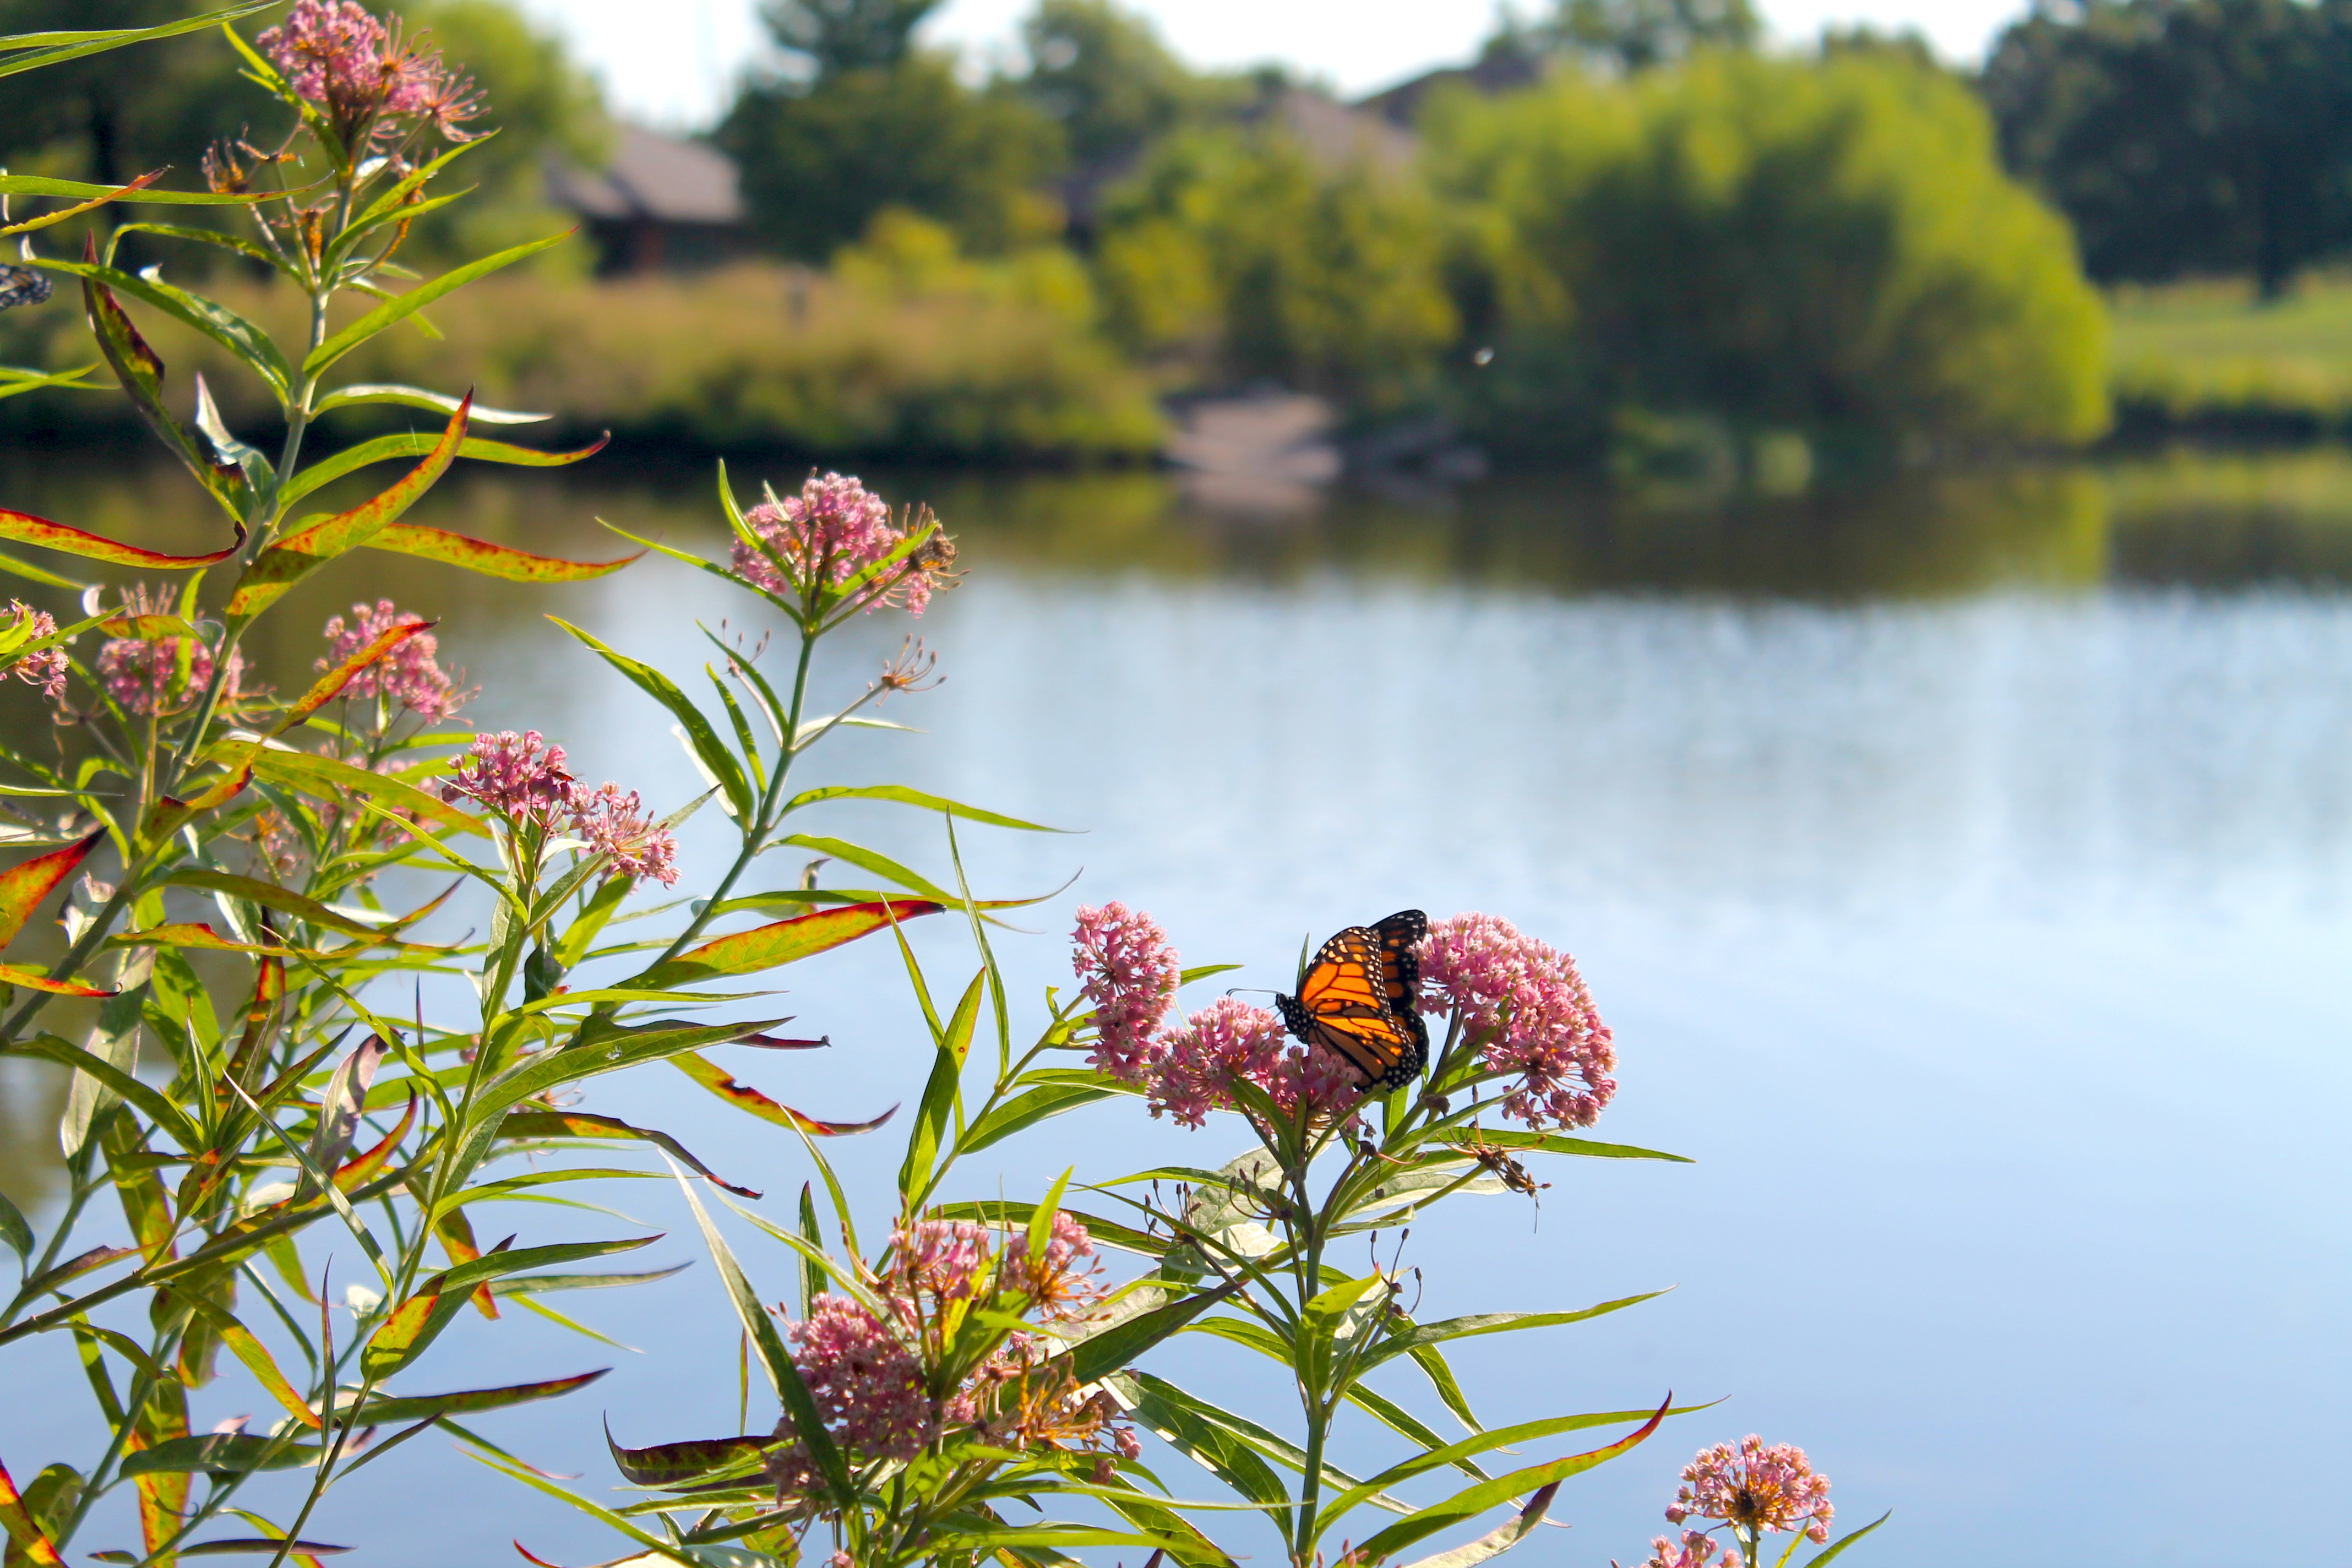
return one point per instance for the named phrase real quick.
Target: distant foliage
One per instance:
(2185, 137)
(1239, 250)
(1105, 76)
(1819, 247)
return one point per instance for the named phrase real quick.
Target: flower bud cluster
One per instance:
(409, 676)
(371, 81)
(1756, 1488)
(835, 530)
(1527, 1007)
(522, 779)
(46, 669)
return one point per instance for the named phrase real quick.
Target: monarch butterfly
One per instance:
(22, 286)
(1358, 997)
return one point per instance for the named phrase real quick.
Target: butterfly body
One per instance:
(1360, 996)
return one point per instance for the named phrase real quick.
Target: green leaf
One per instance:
(488, 560)
(915, 797)
(1454, 1453)
(416, 444)
(1182, 1421)
(1488, 1323)
(54, 48)
(785, 942)
(14, 1234)
(1106, 1352)
(397, 310)
(139, 370)
(387, 1409)
(1552, 1143)
(317, 541)
(717, 760)
(15, 382)
(417, 397)
(1025, 1110)
(581, 1125)
(744, 1098)
(418, 1320)
(1472, 1501)
(250, 346)
(1835, 1547)
(270, 895)
(800, 1408)
(321, 777)
(24, 885)
(939, 1095)
(220, 1453)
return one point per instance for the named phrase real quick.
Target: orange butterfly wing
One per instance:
(1347, 1002)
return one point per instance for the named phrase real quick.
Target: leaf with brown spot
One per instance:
(24, 885)
(747, 1098)
(581, 1124)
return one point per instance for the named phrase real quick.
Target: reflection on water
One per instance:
(1965, 865)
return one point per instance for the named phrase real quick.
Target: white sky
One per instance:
(677, 71)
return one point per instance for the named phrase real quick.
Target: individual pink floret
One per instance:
(610, 821)
(1528, 1008)
(48, 668)
(520, 777)
(409, 675)
(1756, 1488)
(835, 529)
(1130, 973)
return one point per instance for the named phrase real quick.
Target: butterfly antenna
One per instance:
(1250, 990)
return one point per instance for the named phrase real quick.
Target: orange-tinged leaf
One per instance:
(45, 219)
(23, 1529)
(168, 815)
(33, 980)
(23, 885)
(305, 550)
(456, 1234)
(746, 1098)
(785, 942)
(490, 560)
(581, 1124)
(386, 1409)
(139, 370)
(328, 687)
(258, 1360)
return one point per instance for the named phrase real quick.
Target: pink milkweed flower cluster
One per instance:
(835, 529)
(1130, 971)
(1694, 1550)
(522, 778)
(46, 669)
(144, 677)
(1527, 1007)
(1756, 1489)
(409, 675)
(869, 1377)
(365, 75)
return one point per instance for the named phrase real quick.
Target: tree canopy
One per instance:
(2185, 137)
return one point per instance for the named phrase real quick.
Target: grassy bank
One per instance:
(2210, 359)
(752, 357)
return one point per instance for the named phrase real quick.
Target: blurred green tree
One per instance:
(2185, 136)
(1638, 35)
(1236, 248)
(819, 160)
(831, 37)
(1827, 247)
(1105, 75)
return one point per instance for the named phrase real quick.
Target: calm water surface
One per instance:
(1965, 870)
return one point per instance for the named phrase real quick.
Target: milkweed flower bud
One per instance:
(612, 826)
(1694, 1550)
(1525, 1004)
(1129, 971)
(46, 669)
(409, 675)
(1755, 1487)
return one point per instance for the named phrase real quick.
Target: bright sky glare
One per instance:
(678, 74)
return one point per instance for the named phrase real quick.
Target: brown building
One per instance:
(662, 202)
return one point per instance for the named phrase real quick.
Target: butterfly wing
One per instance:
(1343, 1005)
(1400, 936)
(22, 286)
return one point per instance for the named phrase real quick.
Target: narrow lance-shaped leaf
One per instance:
(308, 548)
(418, 397)
(581, 1125)
(54, 48)
(338, 1107)
(393, 311)
(415, 444)
(223, 326)
(717, 760)
(24, 885)
(139, 369)
(747, 1098)
(23, 1528)
(489, 559)
(384, 1410)
(26, 529)
(785, 942)
(418, 1320)
(257, 1358)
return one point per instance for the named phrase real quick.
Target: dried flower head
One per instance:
(409, 675)
(46, 669)
(1129, 973)
(1528, 1009)
(1755, 1487)
(519, 777)
(835, 530)
(910, 670)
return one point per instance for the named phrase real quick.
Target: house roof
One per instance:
(1500, 71)
(664, 178)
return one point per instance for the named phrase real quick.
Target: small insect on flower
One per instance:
(1502, 1166)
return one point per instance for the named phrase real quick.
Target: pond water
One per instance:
(1965, 867)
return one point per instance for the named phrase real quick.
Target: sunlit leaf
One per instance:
(672, 1465)
(51, 48)
(490, 560)
(33, 980)
(139, 371)
(581, 1125)
(418, 1320)
(219, 1453)
(785, 942)
(718, 762)
(915, 797)
(418, 397)
(416, 444)
(390, 1409)
(320, 776)
(26, 529)
(745, 1098)
(393, 311)
(23, 1528)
